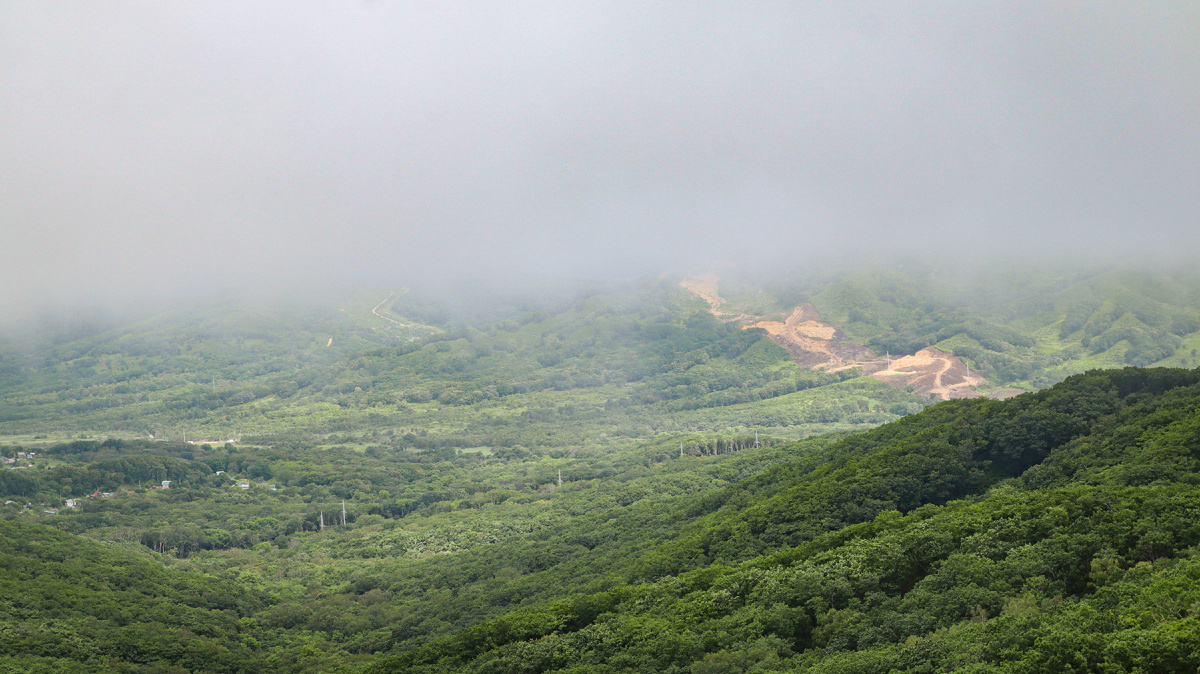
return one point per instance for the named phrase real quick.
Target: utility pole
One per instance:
(322, 520)
(560, 477)
(889, 360)
(681, 449)
(756, 437)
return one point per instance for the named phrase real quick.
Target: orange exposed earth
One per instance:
(933, 371)
(821, 346)
(814, 344)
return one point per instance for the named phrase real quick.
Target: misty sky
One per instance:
(151, 148)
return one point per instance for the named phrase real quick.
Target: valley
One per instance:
(599, 338)
(706, 473)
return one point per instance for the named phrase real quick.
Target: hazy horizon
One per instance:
(156, 152)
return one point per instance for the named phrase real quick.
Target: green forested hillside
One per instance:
(1060, 535)
(1026, 326)
(608, 479)
(1051, 530)
(609, 367)
(67, 601)
(622, 361)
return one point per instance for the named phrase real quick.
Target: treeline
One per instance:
(695, 392)
(64, 481)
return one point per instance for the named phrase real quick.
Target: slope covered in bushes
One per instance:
(1053, 531)
(65, 600)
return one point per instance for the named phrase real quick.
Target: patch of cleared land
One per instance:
(932, 371)
(821, 346)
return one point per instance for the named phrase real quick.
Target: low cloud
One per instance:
(154, 150)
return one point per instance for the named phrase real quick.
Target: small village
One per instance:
(25, 460)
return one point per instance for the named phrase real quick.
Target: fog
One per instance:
(152, 150)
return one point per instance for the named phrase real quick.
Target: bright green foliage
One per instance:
(1053, 530)
(64, 597)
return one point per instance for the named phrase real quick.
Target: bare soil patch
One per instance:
(820, 346)
(812, 343)
(932, 371)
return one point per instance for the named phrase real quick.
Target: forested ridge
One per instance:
(1054, 530)
(1058, 534)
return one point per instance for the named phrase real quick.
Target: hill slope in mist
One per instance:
(1023, 328)
(609, 479)
(625, 361)
(639, 357)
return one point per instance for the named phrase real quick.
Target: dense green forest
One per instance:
(607, 479)
(1050, 530)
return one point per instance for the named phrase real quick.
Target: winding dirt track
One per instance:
(376, 309)
(704, 287)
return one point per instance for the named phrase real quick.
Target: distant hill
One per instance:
(1016, 329)
(783, 355)
(627, 360)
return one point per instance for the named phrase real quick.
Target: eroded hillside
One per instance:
(821, 346)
